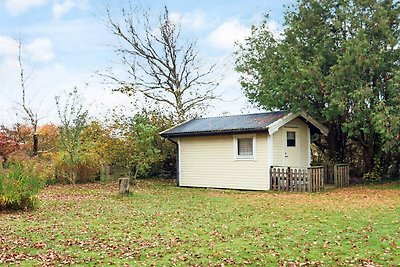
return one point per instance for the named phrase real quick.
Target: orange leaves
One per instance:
(8, 144)
(48, 137)
(161, 225)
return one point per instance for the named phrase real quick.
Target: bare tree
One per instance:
(160, 66)
(32, 116)
(73, 117)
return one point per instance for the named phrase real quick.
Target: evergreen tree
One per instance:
(338, 61)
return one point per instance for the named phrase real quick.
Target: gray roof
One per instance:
(225, 124)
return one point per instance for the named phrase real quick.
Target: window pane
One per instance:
(245, 146)
(291, 138)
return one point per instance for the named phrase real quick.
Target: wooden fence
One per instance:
(337, 175)
(316, 178)
(341, 175)
(310, 179)
(297, 179)
(329, 176)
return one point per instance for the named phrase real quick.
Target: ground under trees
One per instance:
(161, 224)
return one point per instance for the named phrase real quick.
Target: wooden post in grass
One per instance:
(123, 185)
(309, 175)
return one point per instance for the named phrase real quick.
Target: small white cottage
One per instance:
(237, 151)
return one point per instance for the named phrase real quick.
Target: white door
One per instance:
(291, 150)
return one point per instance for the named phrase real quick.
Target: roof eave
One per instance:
(322, 128)
(173, 127)
(274, 127)
(209, 133)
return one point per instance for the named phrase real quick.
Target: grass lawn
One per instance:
(162, 225)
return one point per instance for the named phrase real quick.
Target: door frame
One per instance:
(296, 129)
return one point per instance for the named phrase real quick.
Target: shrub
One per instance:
(19, 186)
(372, 176)
(85, 170)
(41, 166)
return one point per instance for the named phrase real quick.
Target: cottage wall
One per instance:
(209, 161)
(302, 140)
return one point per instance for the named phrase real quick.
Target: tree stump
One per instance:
(123, 185)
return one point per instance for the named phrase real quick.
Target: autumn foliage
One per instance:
(8, 144)
(19, 186)
(161, 225)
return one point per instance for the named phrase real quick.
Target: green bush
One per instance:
(19, 186)
(372, 176)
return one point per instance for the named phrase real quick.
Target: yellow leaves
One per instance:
(161, 225)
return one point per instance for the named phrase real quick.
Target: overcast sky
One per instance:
(66, 41)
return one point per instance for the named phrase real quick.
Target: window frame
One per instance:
(236, 156)
(287, 139)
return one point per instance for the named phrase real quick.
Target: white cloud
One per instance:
(225, 35)
(8, 46)
(275, 29)
(233, 100)
(191, 20)
(17, 7)
(63, 8)
(50, 80)
(40, 50)
(228, 33)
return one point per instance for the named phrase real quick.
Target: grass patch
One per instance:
(160, 224)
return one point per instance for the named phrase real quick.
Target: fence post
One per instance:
(335, 175)
(278, 178)
(308, 180)
(123, 185)
(271, 179)
(293, 182)
(341, 175)
(323, 179)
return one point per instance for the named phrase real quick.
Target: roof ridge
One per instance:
(232, 123)
(239, 115)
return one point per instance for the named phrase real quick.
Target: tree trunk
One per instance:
(135, 175)
(368, 160)
(35, 144)
(73, 175)
(370, 150)
(336, 143)
(123, 185)
(369, 155)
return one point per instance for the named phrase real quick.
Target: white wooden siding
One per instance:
(301, 141)
(208, 161)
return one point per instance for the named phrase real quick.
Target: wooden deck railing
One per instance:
(297, 179)
(316, 178)
(341, 175)
(310, 179)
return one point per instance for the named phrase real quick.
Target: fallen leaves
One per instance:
(161, 225)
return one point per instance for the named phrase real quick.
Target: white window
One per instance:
(291, 138)
(244, 147)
